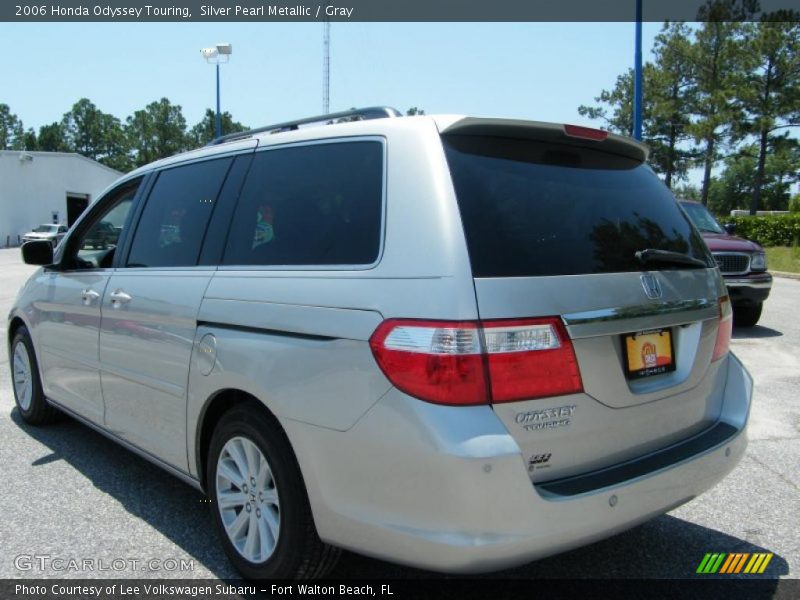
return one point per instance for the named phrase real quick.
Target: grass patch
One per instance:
(783, 258)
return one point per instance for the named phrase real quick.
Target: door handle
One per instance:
(118, 298)
(89, 296)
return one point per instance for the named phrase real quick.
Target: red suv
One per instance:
(743, 264)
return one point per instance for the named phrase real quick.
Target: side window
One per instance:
(173, 223)
(95, 247)
(310, 205)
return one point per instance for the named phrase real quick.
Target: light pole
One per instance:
(216, 55)
(637, 75)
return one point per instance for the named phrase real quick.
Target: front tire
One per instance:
(259, 501)
(747, 316)
(28, 394)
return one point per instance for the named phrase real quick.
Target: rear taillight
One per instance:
(467, 363)
(723, 342)
(530, 359)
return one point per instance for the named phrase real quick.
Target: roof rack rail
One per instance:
(364, 114)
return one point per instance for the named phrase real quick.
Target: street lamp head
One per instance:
(219, 53)
(209, 53)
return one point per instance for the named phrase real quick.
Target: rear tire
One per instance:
(747, 316)
(252, 471)
(31, 403)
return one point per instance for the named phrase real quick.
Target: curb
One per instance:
(786, 274)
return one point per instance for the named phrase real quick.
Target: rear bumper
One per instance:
(447, 489)
(750, 289)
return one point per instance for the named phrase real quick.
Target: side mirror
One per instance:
(730, 228)
(38, 252)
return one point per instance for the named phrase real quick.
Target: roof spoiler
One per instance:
(573, 135)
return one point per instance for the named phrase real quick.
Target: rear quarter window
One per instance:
(318, 204)
(532, 209)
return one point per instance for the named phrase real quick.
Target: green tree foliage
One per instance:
(95, 134)
(769, 99)
(52, 138)
(615, 108)
(666, 104)
(687, 191)
(724, 93)
(414, 111)
(156, 132)
(671, 91)
(29, 140)
(11, 130)
(205, 130)
(717, 56)
(734, 188)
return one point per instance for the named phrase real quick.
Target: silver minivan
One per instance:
(450, 342)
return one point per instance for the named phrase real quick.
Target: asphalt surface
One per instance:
(69, 493)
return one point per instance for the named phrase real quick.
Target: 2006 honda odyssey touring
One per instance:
(450, 342)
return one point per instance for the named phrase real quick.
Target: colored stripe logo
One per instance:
(737, 562)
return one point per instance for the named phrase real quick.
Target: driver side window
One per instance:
(95, 246)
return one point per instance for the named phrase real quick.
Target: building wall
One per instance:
(31, 190)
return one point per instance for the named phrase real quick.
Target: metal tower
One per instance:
(326, 67)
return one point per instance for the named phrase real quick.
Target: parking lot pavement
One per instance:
(70, 493)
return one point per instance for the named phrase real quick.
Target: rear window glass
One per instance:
(318, 204)
(530, 208)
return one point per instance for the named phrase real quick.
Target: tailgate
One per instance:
(556, 228)
(617, 417)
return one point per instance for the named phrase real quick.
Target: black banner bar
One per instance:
(394, 10)
(400, 589)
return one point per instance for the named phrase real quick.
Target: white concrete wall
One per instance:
(30, 190)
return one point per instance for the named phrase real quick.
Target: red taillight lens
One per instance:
(530, 359)
(436, 361)
(723, 342)
(587, 133)
(449, 363)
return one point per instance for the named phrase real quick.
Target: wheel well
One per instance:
(15, 324)
(220, 404)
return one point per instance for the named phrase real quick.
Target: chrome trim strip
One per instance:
(638, 317)
(174, 471)
(634, 311)
(760, 285)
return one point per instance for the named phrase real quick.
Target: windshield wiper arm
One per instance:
(652, 255)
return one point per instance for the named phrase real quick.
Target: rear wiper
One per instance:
(651, 255)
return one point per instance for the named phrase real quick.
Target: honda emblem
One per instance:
(651, 285)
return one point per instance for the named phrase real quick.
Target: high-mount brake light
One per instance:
(586, 133)
(723, 343)
(470, 362)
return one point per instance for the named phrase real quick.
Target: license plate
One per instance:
(648, 353)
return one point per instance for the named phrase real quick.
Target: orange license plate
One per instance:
(648, 353)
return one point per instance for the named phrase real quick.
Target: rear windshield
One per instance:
(531, 208)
